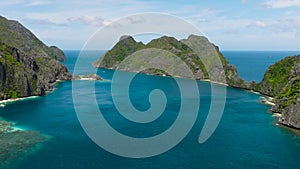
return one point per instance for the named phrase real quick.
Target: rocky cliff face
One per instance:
(12, 33)
(282, 81)
(186, 50)
(24, 75)
(27, 66)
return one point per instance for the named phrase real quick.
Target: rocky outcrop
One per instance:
(282, 81)
(24, 75)
(27, 66)
(186, 50)
(12, 33)
(291, 115)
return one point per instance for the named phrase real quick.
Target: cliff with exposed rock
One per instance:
(14, 34)
(282, 81)
(27, 66)
(186, 50)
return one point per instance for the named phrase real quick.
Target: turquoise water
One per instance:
(246, 137)
(252, 65)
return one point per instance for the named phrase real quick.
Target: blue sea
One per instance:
(246, 137)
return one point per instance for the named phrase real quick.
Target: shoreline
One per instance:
(7, 101)
(267, 100)
(213, 82)
(3, 103)
(263, 99)
(13, 100)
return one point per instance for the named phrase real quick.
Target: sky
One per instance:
(230, 24)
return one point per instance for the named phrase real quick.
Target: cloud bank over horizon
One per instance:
(232, 25)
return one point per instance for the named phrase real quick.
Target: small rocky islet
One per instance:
(281, 80)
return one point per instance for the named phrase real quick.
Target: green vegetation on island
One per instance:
(27, 66)
(13, 34)
(282, 81)
(23, 75)
(206, 52)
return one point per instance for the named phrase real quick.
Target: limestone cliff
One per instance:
(282, 81)
(27, 66)
(24, 75)
(12, 33)
(186, 50)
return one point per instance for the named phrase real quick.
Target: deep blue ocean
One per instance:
(247, 136)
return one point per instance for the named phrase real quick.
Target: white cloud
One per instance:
(70, 23)
(38, 3)
(87, 19)
(106, 22)
(281, 3)
(260, 24)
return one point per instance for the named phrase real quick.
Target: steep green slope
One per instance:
(12, 33)
(24, 75)
(181, 50)
(27, 66)
(277, 76)
(207, 52)
(282, 81)
(126, 46)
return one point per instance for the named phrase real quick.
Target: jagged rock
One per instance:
(23, 75)
(27, 66)
(282, 81)
(291, 116)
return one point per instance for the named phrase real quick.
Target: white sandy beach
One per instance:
(3, 102)
(208, 80)
(267, 100)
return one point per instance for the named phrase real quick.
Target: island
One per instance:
(281, 80)
(127, 46)
(27, 68)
